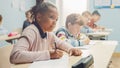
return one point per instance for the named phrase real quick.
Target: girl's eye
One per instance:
(57, 19)
(51, 17)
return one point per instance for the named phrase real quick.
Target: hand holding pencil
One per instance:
(56, 53)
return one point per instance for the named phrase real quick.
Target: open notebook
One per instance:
(56, 63)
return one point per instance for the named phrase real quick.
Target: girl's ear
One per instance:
(38, 17)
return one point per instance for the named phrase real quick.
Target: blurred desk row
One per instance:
(100, 35)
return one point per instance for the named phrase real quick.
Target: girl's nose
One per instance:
(54, 22)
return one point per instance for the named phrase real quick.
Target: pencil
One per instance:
(55, 46)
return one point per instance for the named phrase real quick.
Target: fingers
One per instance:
(86, 41)
(75, 52)
(56, 54)
(70, 53)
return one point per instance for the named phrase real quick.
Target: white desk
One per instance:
(9, 39)
(108, 30)
(5, 37)
(101, 51)
(98, 35)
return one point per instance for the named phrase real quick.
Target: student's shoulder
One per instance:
(30, 29)
(61, 30)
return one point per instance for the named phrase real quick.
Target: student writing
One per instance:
(71, 33)
(37, 41)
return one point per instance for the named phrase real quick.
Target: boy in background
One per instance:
(87, 17)
(92, 23)
(71, 33)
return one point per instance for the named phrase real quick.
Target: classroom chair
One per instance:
(15, 31)
(4, 58)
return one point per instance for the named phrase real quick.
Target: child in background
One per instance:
(87, 14)
(37, 41)
(86, 17)
(71, 33)
(29, 19)
(95, 17)
(2, 30)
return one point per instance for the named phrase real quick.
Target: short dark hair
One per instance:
(96, 13)
(39, 1)
(73, 19)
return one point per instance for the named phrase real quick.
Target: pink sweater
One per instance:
(32, 47)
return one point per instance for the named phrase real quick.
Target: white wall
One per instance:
(13, 17)
(73, 6)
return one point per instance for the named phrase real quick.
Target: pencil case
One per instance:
(84, 62)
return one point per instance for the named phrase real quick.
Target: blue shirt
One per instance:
(69, 37)
(86, 29)
(26, 23)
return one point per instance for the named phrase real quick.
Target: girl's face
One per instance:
(47, 20)
(74, 28)
(28, 15)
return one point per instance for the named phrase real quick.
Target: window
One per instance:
(67, 7)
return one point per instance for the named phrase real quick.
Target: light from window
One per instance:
(74, 6)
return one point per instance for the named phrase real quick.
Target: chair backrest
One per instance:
(4, 56)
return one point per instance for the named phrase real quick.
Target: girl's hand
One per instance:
(56, 54)
(75, 52)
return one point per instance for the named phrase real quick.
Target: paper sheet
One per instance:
(92, 42)
(85, 53)
(85, 47)
(56, 63)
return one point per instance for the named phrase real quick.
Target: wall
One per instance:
(12, 17)
(111, 19)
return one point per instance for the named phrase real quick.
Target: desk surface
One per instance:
(101, 51)
(5, 37)
(97, 34)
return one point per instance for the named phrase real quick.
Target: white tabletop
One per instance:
(102, 52)
(6, 37)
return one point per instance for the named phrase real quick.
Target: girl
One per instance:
(37, 41)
